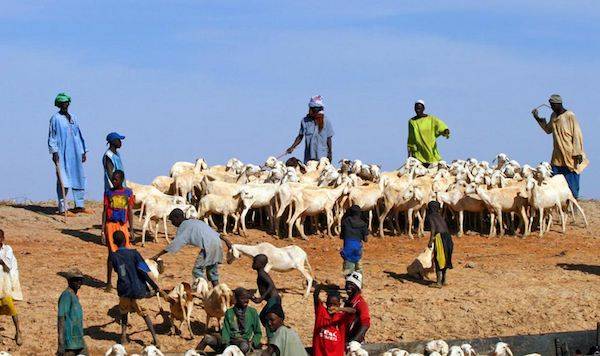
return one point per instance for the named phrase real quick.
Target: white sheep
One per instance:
(456, 351)
(355, 349)
(160, 209)
(502, 349)
(152, 350)
(439, 346)
(191, 352)
(225, 205)
(165, 184)
(232, 350)
(115, 350)
(395, 352)
(468, 350)
(218, 300)
(281, 259)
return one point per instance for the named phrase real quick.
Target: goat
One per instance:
(280, 259)
(181, 304)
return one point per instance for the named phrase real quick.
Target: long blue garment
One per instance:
(316, 142)
(571, 177)
(115, 158)
(65, 138)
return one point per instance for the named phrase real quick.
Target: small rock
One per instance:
(562, 254)
(471, 265)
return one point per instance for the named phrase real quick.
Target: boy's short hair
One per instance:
(119, 238)
(119, 173)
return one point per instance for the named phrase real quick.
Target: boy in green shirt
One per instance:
(423, 130)
(70, 318)
(241, 327)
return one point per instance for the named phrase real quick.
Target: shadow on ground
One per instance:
(88, 281)
(84, 235)
(38, 209)
(590, 269)
(407, 278)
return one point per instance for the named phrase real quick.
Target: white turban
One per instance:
(316, 102)
(420, 101)
(356, 279)
(555, 99)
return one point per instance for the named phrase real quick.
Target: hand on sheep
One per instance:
(256, 300)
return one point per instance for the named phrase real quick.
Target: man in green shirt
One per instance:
(423, 130)
(241, 327)
(70, 318)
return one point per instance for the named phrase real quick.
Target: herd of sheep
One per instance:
(322, 192)
(432, 348)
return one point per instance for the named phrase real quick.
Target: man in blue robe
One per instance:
(317, 131)
(66, 144)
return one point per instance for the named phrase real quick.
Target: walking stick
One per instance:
(62, 189)
(281, 155)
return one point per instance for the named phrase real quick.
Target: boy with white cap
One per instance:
(362, 319)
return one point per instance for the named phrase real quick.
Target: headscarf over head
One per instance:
(555, 99)
(61, 98)
(420, 101)
(433, 207)
(316, 102)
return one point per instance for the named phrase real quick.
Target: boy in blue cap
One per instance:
(112, 159)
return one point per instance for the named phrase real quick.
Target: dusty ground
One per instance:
(516, 286)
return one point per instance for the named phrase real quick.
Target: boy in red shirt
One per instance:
(362, 319)
(331, 323)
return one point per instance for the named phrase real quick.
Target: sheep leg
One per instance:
(300, 226)
(500, 222)
(144, 228)
(328, 221)
(309, 280)
(212, 223)
(574, 202)
(541, 220)
(492, 225)
(396, 221)
(409, 219)
(243, 218)
(461, 216)
(370, 220)
(271, 220)
(421, 216)
(236, 223)
(563, 220)
(293, 220)
(385, 212)
(142, 210)
(225, 220)
(165, 225)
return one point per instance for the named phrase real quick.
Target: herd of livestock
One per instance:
(502, 195)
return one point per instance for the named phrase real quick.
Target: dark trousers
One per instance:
(571, 177)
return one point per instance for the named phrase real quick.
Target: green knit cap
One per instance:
(61, 98)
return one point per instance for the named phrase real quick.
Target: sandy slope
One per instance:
(516, 286)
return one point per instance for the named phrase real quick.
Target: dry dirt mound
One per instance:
(499, 286)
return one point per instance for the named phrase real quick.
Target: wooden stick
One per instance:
(62, 188)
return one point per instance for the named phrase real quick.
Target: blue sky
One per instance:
(221, 79)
